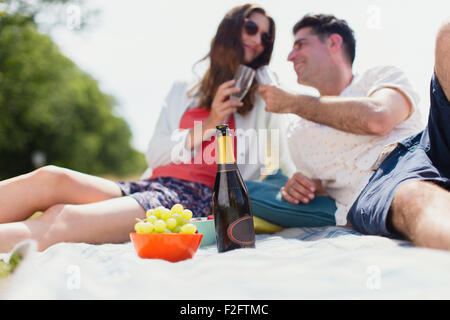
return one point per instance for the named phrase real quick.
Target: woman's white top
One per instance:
(260, 137)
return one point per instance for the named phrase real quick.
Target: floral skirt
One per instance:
(167, 191)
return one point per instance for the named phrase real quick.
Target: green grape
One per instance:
(143, 227)
(176, 229)
(165, 214)
(160, 226)
(167, 231)
(152, 219)
(171, 223)
(186, 214)
(149, 213)
(138, 227)
(177, 208)
(157, 212)
(188, 228)
(182, 222)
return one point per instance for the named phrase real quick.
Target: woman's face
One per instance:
(253, 44)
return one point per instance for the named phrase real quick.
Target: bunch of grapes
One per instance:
(163, 220)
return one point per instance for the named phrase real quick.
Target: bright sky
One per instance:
(137, 48)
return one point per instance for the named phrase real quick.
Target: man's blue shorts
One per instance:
(425, 156)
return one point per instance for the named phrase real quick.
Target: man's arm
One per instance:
(377, 114)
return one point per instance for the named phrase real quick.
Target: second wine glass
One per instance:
(244, 78)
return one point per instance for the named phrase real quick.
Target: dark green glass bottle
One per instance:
(231, 203)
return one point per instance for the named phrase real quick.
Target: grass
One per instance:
(7, 267)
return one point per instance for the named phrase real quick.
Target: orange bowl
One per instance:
(171, 247)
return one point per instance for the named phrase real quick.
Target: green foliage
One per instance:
(48, 104)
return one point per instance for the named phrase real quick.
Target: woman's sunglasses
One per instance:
(251, 28)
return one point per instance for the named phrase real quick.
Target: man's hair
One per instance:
(325, 25)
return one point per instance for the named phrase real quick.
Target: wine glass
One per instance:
(265, 77)
(244, 78)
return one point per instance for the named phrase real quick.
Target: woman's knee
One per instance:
(62, 224)
(49, 174)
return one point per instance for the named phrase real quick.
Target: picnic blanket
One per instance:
(296, 263)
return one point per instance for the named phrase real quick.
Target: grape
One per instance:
(177, 217)
(163, 220)
(157, 212)
(171, 223)
(182, 222)
(177, 208)
(160, 226)
(188, 228)
(149, 213)
(165, 214)
(186, 214)
(143, 227)
(152, 219)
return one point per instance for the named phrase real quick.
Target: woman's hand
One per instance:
(299, 188)
(222, 106)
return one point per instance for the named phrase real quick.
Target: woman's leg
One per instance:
(108, 221)
(268, 204)
(21, 196)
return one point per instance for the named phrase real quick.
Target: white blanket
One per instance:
(308, 263)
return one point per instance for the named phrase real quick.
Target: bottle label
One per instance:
(242, 231)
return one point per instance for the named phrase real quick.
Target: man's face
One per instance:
(310, 57)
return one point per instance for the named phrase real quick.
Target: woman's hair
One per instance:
(227, 53)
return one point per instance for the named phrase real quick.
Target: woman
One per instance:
(81, 208)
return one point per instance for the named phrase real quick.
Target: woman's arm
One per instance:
(168, 141)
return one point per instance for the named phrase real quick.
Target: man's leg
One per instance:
(421, 213)
(21, 196)
(108, 221)
(420, 210)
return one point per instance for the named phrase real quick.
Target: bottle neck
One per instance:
(225, 154)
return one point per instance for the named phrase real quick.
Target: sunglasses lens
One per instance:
(250, 27)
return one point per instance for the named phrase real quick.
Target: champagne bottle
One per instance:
(231, 203)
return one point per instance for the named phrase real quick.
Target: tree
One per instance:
(51, 110)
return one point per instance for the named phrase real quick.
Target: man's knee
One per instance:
(414, 202)
(407, 206)
(408, 190)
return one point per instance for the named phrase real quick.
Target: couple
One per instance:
(353, 146)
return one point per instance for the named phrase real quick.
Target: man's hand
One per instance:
(277, 100)
(299, 188)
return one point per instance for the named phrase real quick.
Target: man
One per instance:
(341, 136)
(408, 196)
